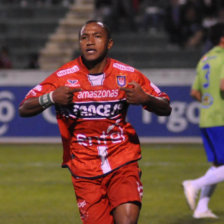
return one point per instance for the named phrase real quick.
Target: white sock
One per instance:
(206, 193)
(214, 175)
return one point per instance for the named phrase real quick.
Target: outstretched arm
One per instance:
(35, 105)
(138, 96)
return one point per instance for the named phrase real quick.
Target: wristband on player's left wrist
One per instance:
(46, 100)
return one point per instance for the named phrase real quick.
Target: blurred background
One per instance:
(163, 39)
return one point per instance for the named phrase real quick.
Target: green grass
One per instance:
(34, 189)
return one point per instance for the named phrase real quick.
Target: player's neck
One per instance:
(98, 68)
(95, 67)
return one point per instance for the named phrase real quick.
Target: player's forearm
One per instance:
(30, 107)
(196, 95)
(222, 88)
(36, 105)
(222, 94)
(157, 105)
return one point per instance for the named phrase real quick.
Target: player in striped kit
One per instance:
(91, 95)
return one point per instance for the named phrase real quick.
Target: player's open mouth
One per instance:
(90, 51)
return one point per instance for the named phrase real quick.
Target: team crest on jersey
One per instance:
(121, 80)
(72, 83)
(207, 100)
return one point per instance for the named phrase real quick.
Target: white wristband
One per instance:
(46, 100)
(51, 96)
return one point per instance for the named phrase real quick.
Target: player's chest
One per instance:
(100, 96)
(96, 82)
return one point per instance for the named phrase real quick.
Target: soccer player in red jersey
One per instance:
(91, 95)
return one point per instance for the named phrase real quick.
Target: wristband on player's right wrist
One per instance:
(46, 100)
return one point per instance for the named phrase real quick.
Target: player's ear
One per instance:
(110, 44)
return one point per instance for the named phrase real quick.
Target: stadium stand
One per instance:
(25, 28)
(50, 31)
(149, 48)
(152, 51)
(64, 41)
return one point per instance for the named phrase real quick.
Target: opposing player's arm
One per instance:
(222, 88)
(35, 105)
(136, 95)
(196, 94)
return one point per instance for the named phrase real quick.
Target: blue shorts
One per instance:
(213, 140)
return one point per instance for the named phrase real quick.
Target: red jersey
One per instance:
(96, 137)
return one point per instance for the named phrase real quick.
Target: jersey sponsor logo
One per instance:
(82, 209)
(72, 83)
(38, 88)
(94, 110)
(114, 134)
(123, 67)
(121, 80)
(155, 87)
(140, 189)
(81, 204)
(67, 71)
(206, 58)
(109, 93)
(33, 91)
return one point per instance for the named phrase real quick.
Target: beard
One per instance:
(92, 63)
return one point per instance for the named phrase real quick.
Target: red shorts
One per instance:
(98, 197)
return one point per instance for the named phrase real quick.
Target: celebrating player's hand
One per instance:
(134, 93)
(64, 95)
